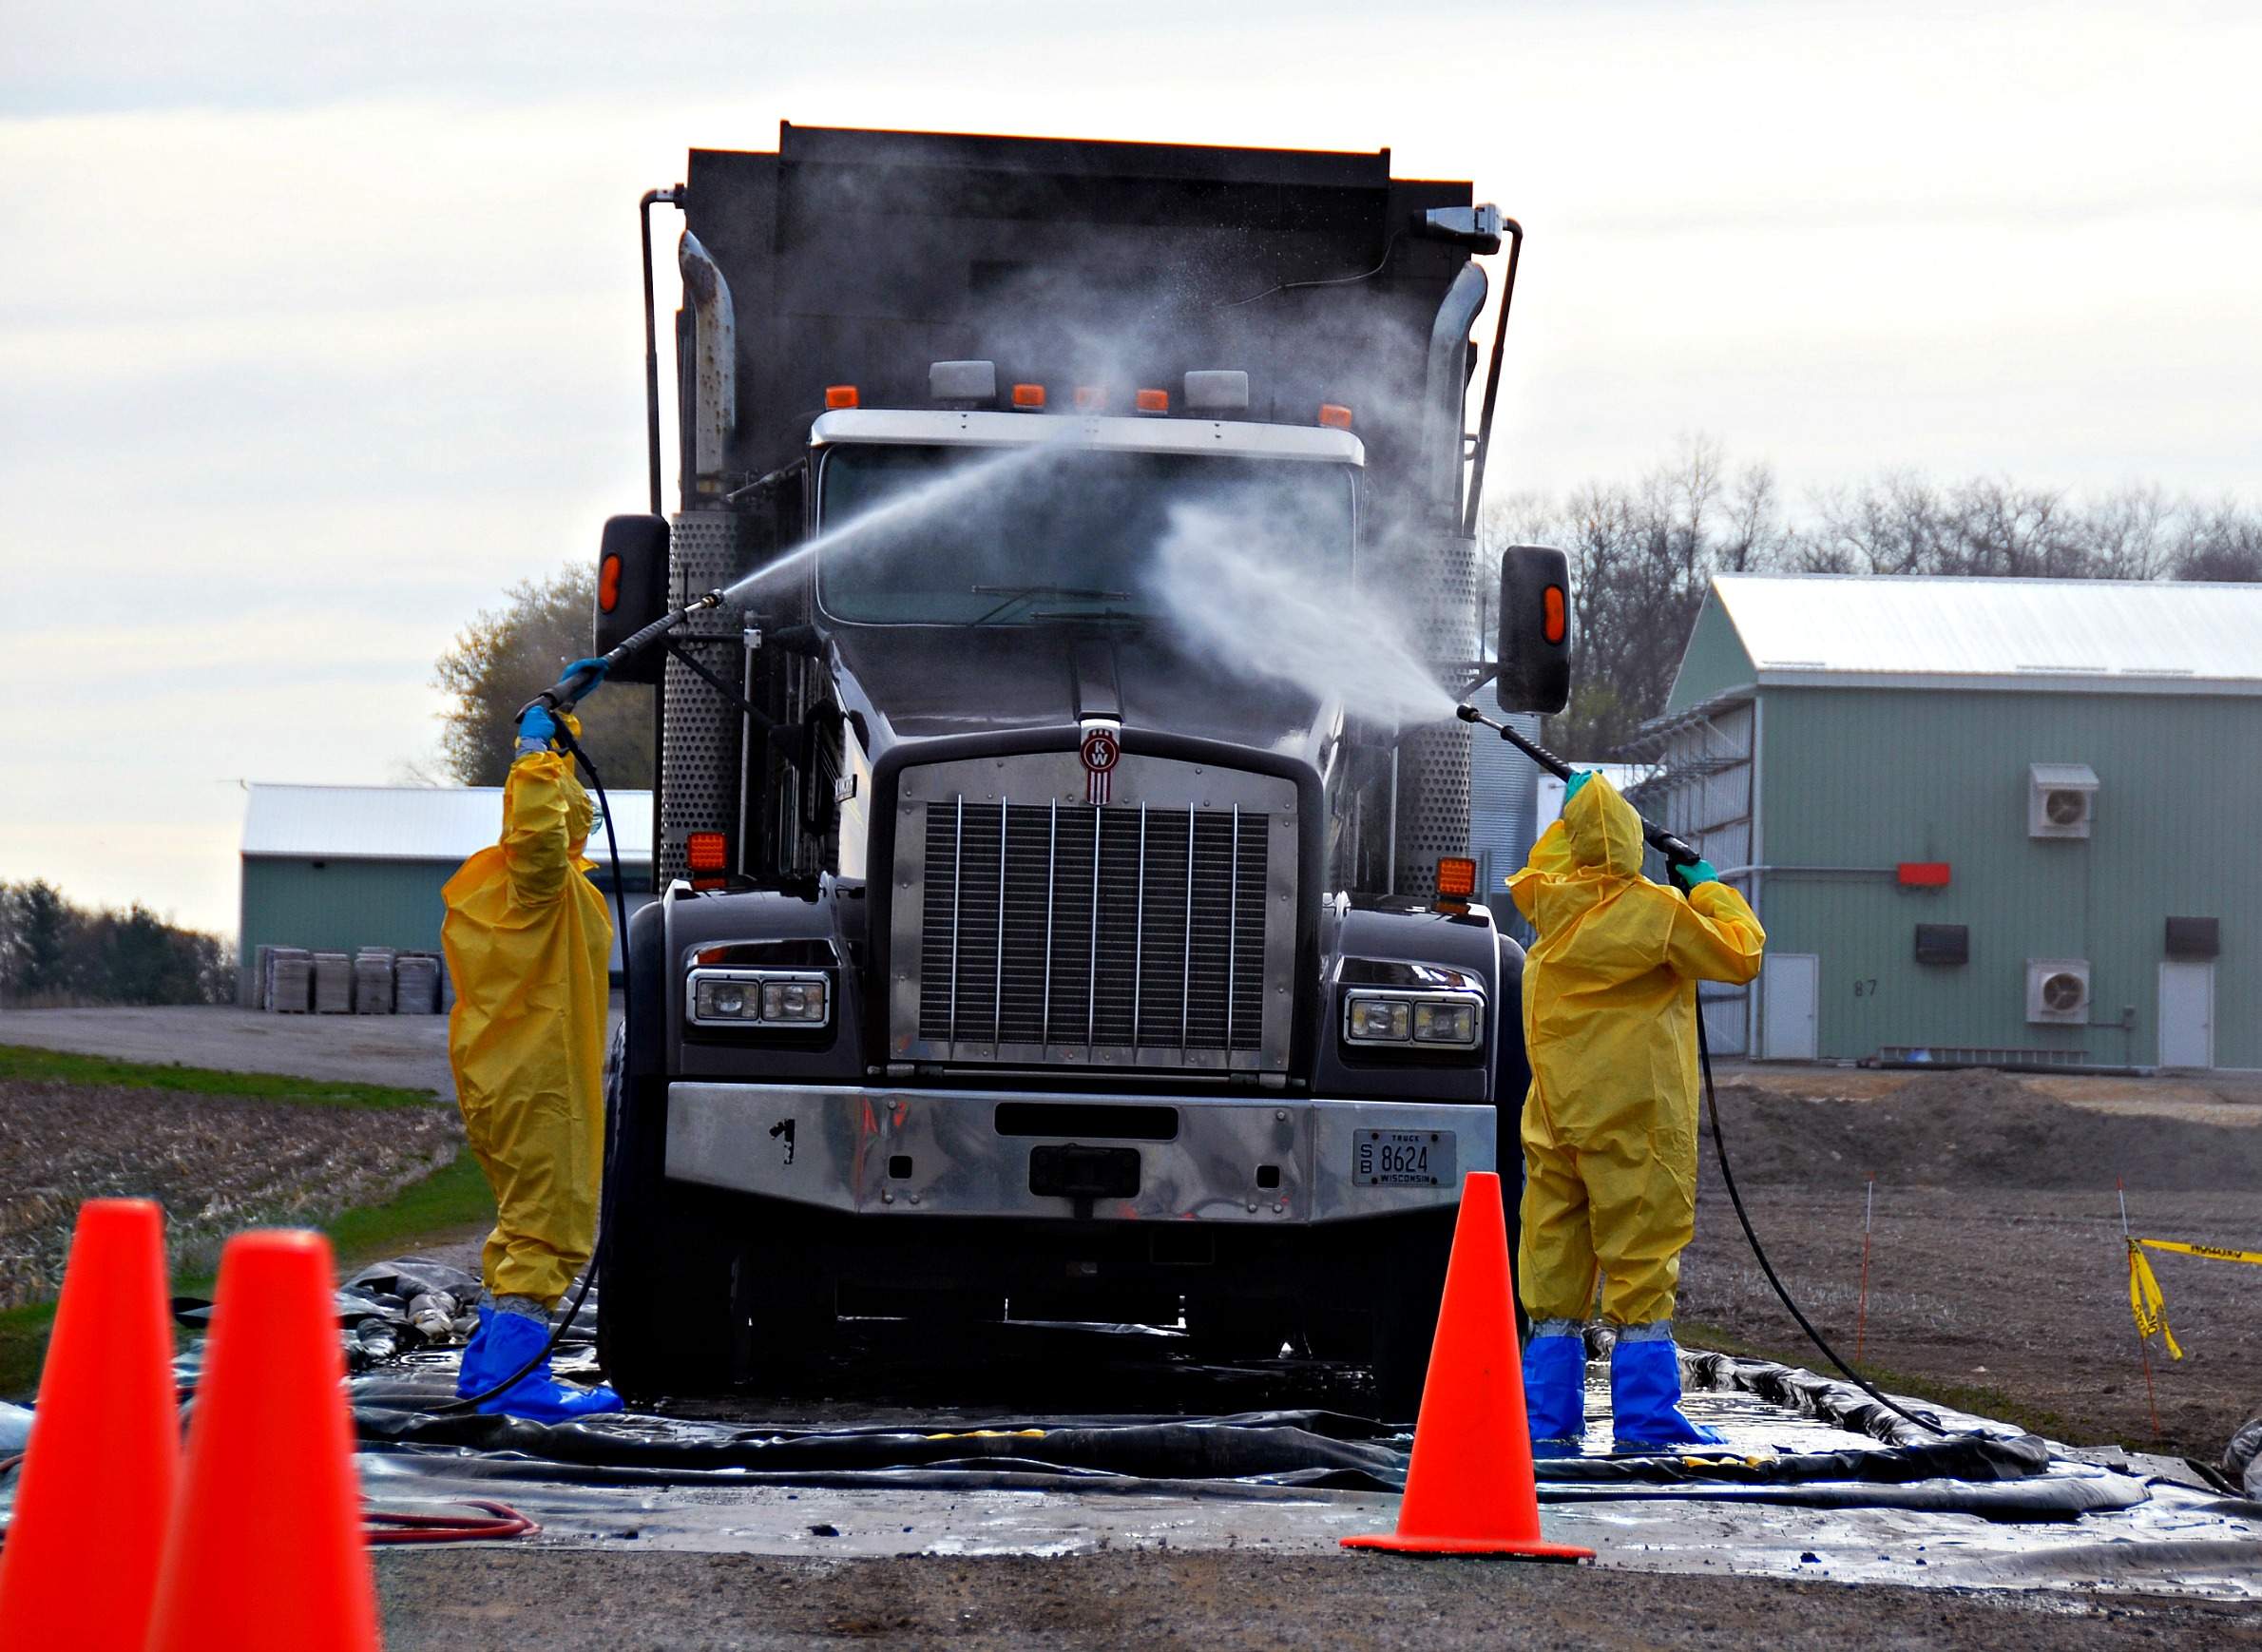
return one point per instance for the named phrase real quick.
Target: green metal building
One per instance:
(2006, 821)
(339, 868)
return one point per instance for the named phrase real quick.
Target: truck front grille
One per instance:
(1028, 927)
(1059, 923)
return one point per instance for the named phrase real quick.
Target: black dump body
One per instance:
(861, 258)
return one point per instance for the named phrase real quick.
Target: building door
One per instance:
(2186, 1013)
(1789, 987)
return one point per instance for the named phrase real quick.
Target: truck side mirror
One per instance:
(1535, 629)
(631, 592)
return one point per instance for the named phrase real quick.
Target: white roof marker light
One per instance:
(963, 380)
(1218, 390)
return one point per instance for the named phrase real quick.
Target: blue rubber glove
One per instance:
(596, 666)
(1689, 876)
(536, 730)
(1578, 777)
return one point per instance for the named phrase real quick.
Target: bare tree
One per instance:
(1643, 554)
(506, 656)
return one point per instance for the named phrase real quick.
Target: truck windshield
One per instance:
(920, 536)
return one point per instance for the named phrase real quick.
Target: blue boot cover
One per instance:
(506, 1342)
(1645, 1396)
(476, 1360)
(1555, 1387)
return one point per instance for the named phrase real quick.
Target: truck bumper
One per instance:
(912, 1153)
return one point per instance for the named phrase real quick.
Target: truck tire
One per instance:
(1511, 1084)
(666, 1298)
(1406, 1289)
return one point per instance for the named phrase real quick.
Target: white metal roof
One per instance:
(2095, 635)
(442, 823)
(1245, 438)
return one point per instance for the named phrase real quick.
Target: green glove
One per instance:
(1578, 777)
(1690, 876)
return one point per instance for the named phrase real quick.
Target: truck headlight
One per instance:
(802, 1001)
(1435, 1020)
(786, 1000)
(1440, 1023)
(1375, 1020)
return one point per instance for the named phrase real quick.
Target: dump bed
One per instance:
(858, 258)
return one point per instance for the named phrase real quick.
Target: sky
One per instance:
(320, 322)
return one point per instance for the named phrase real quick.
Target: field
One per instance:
(1998, 1277)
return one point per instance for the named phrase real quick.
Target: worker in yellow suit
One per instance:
(527, 943)
(1610, 1124)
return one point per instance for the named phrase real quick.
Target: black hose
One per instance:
(1712, 1101)
(612, 845)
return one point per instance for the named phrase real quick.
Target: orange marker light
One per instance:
(1334, 415)
(608, 584)
(1028, 395)
(839, 396)
(706, 852)
(1087, 398)
(1456, 877)
(1152, 401)
(1553, 622)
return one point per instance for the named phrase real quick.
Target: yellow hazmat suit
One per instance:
(1609, 1008)
(527, 941)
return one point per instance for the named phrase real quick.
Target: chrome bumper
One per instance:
(844, 1148)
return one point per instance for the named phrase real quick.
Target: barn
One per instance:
(341, 867)
(1984, 820)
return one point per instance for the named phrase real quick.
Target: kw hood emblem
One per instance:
(1102, 746)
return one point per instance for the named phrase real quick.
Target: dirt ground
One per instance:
(608, 1602)
(1996, 1261)
(219, 1164)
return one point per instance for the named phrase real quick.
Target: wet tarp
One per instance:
(911, 1443)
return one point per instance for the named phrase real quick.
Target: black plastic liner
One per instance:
(1981, 1468)
(1997, 1477)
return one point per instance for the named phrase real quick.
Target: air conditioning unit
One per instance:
(2059, 799)
(2058, 991)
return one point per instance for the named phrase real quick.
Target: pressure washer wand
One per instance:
(567, 692)
(1675, 851)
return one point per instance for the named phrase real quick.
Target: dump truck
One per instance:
(1021, 951)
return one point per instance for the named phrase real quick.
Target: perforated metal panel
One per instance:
(1439, 576)
(700, 737)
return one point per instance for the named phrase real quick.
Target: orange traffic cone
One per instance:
(81, 1563)
(1468, 1488)
(266, 1553)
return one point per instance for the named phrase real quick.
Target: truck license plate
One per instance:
(1403, 1159)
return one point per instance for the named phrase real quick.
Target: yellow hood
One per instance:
(1604, 829)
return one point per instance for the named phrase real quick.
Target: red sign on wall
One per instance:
(1924, 874)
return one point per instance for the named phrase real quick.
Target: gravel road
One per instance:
(610, 1602)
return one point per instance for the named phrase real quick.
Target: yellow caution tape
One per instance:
(2147, 1304)
(2217, 1252)
(993, 1434)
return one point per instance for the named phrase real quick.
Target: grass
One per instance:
(18, 1062)
(1978, 1400)
(440, 1205)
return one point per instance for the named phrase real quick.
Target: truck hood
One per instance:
(921, 682)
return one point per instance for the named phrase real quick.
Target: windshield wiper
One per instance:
(1023, 593)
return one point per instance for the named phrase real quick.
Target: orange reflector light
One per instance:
(1554, 622)
(1334, 415)
(1456, 877)
(1152, 401)
(706, 852)
(839, 396)
(1031, 395)
(1087, 398)
(608, 584)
